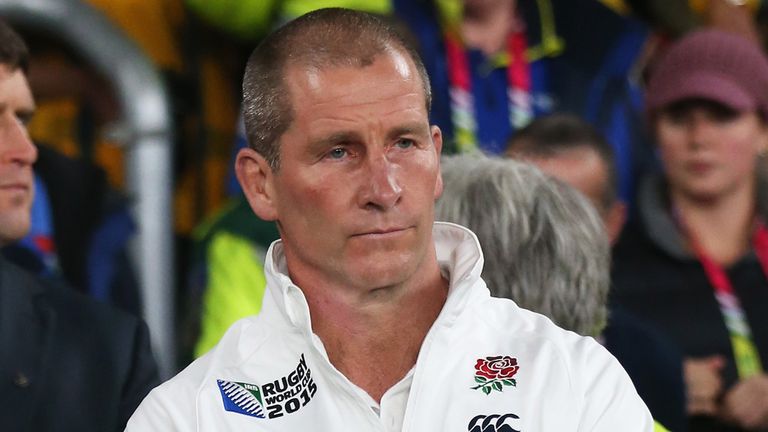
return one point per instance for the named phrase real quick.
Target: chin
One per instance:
(383, 271)
(14, 224)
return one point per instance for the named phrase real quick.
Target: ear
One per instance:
(615, 218)
(257, 180)
(437, 141)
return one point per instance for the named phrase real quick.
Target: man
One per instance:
(571, 150)
(66, 362)
(374, 319)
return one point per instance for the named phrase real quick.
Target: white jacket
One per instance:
(486, 365)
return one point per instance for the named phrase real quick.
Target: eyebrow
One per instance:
(24, 113)
(342, 137)
(334, 139)
(415, 128)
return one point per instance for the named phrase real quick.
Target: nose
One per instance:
(698, 131)
(381, 188)
(17, 147)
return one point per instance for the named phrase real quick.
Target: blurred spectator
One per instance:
(543, 243)
(66, 362)
(81, 224)
(496, 65)
(675, 18)
(694, 258)
(226, 280)
(569, 149)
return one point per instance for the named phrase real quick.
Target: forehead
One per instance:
(14, 89)
(582, 167)
(391, 76)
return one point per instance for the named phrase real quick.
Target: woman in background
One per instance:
(695, 259)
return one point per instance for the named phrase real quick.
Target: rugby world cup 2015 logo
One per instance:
(282, 396)
(241, 398)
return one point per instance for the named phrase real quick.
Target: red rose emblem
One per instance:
(496, 367)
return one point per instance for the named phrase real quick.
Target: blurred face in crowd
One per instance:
(584, 169)
(709, 150)
(359, 173)
(580, 167)
(17, 153)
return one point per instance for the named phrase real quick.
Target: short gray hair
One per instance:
(544, 244)
(322, 38)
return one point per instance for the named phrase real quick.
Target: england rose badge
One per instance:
(495, 372)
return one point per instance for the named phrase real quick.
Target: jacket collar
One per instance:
(458, 254)
(656, 218)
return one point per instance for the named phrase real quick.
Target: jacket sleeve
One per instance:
(611, 402)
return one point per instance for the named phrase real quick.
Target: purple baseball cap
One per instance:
(713, 65)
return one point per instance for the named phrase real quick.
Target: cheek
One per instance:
(742, 151)
(670, 144)
(311, 200)
(671, 155)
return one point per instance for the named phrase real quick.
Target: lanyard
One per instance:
(462, 100)
(518, 56)
(744, 350)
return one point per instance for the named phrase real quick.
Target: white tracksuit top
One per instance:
(486, 365)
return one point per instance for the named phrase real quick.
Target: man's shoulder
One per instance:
(509, 325)
(71, 307)
(244, 340)
(173, 404)
(552, 359)
(524, 323)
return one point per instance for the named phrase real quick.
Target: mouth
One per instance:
(19, 187)
(382, 233)
(699, 167)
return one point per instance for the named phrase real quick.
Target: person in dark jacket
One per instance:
(569, 149)
(66, 362)
(694, 259)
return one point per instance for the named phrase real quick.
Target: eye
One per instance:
(24, 118)
(405, 143)
(337, 153)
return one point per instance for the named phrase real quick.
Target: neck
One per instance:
(374, 338)
(723, 226)
(486, 27)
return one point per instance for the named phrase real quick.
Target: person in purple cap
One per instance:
(694, 259)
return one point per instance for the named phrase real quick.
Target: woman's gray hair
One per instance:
(544, 244)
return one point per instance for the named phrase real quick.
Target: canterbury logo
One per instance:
(492, 423)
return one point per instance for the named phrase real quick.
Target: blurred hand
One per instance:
(746, 403)
(703, 384)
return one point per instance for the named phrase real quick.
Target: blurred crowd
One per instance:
(609, 155)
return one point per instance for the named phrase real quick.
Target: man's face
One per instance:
(584, 169)
(580, 167)
(17, 153)
(359, 174)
